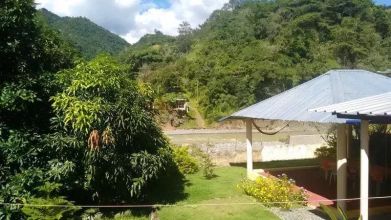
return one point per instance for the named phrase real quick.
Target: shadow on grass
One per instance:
(168, 189)
(211, 177)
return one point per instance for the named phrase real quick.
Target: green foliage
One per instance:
(325, 152)
(251, 50)
(29, 52)
(46, 120)
(150, 50)
(130, 152)
(186, 163)
(329, 150)
(335, 213)
(26, 46)
(190, 160)
(89, 38)
(59, 207)
(278, 192)
(206, 162)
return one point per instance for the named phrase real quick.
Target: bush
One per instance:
(186, 163)
(61, 209)
(278, 192)
(328, 151)
(206, 162)
(324, 152)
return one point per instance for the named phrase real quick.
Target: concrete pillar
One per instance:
(341, 165)
(364, 171)
(249, 142)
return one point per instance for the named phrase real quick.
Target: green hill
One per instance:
(89, 38)
(252, 49)
(150, 51)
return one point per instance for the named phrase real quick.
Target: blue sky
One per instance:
(380, 2)
(162, 3)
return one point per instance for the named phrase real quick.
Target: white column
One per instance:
(364, 171)
(249, 142)
(341, 165)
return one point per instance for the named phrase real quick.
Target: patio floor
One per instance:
(313, 180)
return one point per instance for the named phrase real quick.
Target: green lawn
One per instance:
(219, 190)
(194, 200)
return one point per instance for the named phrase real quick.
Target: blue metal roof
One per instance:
(335, 86)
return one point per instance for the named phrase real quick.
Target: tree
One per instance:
(184, 38)
(29, 52)
(113, 117)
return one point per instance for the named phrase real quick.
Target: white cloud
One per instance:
(127, 3)
(62, 8)
(132, 19)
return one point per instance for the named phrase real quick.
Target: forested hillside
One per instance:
(89, 38)
(251, 50)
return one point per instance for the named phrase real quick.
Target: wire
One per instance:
(268, 133)
(189, 205)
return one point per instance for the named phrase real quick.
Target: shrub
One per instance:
(278, 192)
(324, 152)
(206, 162)
(330, 148)
(61, 209)
(334, 213)
(186, 163)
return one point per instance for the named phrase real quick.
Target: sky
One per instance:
(131, 19)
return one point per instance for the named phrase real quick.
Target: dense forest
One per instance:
(87, 37)
(252, 49)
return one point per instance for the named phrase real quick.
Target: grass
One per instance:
(219, 190)
(231, 212)
(200, 193)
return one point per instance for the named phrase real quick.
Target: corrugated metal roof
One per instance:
(378, 105)
(335, 86)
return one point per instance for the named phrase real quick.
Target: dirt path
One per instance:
(199, 120)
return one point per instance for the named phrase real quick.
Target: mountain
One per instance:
(89, 38)
(150, 50)
(253, 49)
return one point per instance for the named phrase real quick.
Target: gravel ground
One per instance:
(305, 213)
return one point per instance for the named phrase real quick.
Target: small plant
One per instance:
(91, 214)
(335, 213)
(278, 192)
(207, 164)
(325, 152)
(186, 163)
(328, 151)
(61, 209)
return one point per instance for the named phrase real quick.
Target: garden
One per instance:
(79, 139)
